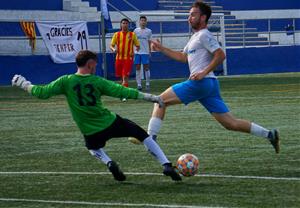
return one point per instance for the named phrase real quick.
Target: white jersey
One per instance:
(143, 35)
(199, 50)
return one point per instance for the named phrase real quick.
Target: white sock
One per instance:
(259, 130)
(101, 155)
(154, 148)
(138, 78)
(147, 74)
(154, 126)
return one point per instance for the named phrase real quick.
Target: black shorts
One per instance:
(120, 128)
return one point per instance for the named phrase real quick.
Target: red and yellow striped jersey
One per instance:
(124, 42)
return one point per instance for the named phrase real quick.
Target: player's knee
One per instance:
(158, 108)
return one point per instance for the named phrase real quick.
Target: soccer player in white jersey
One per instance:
(142, 56)
(203, 54)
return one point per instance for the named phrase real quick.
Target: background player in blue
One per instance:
(203, 54)
(142, 56)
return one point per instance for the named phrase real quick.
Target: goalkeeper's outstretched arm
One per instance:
(42, 92)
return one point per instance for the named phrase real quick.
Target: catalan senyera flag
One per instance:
(29, 30)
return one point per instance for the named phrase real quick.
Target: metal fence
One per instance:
(279, 31)
(285, 31)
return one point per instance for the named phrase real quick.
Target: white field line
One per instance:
(109, 204)
(151, 174)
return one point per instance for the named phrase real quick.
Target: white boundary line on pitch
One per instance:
(100, 203)
(150, 174)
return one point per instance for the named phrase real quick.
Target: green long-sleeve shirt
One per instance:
(83, 93)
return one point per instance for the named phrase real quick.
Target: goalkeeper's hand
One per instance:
(152, 98)
(20, 81)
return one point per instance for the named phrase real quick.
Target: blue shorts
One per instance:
(141, 58)
(206, 91)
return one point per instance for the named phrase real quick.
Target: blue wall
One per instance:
(263, 60)
(32, 4)
(40, 69)
(258, 4)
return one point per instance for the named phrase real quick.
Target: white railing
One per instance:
(293, 31)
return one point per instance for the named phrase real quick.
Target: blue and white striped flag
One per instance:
(104, 10)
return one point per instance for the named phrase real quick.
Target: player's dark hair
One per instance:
(84, 56)
(143, 17)
(124, 19)
(204, 8)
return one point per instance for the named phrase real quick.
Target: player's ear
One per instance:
(88, 64)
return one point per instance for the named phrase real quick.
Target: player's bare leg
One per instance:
(125, 81)
(228, 121)
(158, 114)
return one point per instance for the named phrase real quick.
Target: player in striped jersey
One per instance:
(83, 91)
(122, 44)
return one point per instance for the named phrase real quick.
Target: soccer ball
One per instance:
(187, 164)
(134, 140)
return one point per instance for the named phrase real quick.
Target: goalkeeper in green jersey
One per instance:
(83, 91)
